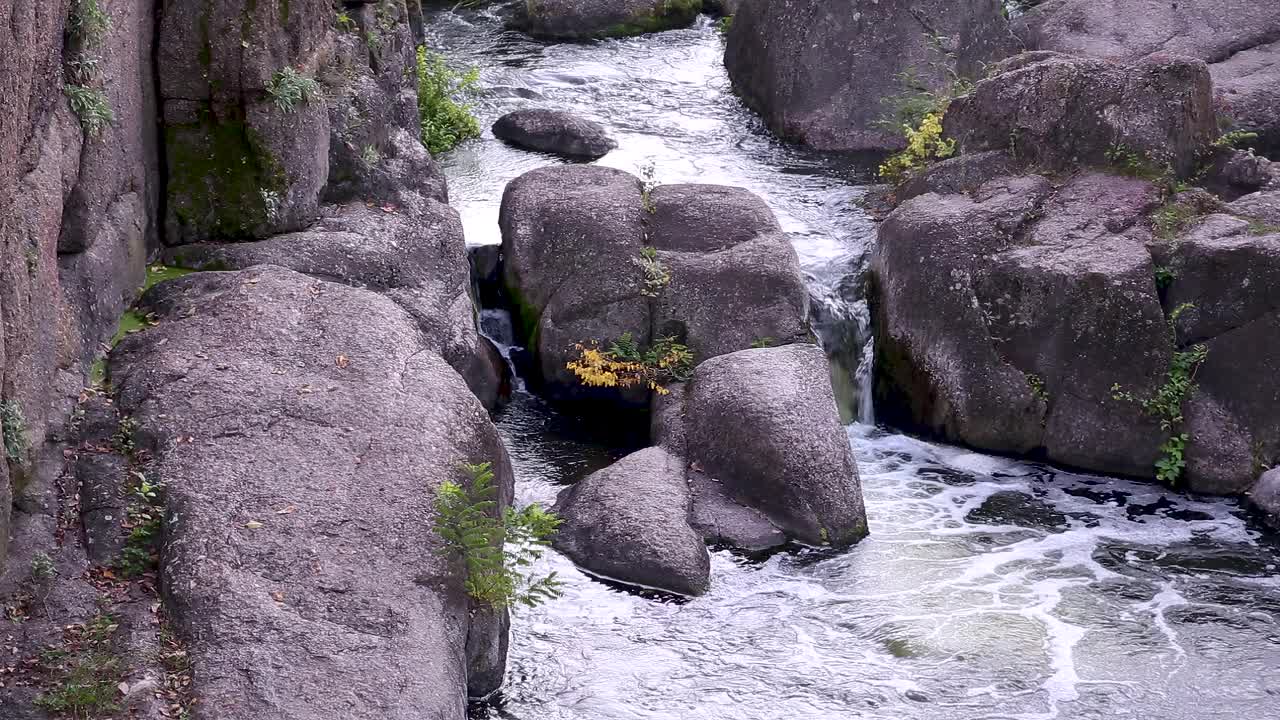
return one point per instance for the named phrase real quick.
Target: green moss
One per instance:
(671, 14)
(131, 322)
(157, 274)
(222, 180)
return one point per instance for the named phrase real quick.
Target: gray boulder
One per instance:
(1236, 37)
(286, 416)
(1262, 207)
(1265, 496)
(413, 254)
(628, 523)
(587, 19)
(1004, 319)
(572, 266)
(727, 8)
(763, 423)
(554, 131)
(1061, 112)
(820, 71)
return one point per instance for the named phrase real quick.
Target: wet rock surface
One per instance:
(628, 522)
(554, 131)
(587, 19)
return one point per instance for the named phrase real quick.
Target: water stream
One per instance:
(988, 589)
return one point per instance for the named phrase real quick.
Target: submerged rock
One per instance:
(587, 19)
(825, 72)
(628, 523)
(554, 131)
(763, 423)
(287, 418)
(1265, 496)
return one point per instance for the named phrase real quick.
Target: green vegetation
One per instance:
(13, 428)
(218, 170)
(648, 173)
(1165, 276)
(370, 156)
(84, 669)
(290, 88)
(764, 342)
(625, 365)
(42, 567)
(924, 145)
(343, 22)
(91, 106)
(725, 24)
(1172, 219)
(1036, 383)
(1235, 139)
(446, 119)
(496, 548)
(656, 275)
(1166, 404)
(88, 22)
(1261, 227)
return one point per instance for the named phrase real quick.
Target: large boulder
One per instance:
(554, 131)
(414, 254)
(587, 19)
(628, 522)
(246, 131)
(1005, 318)
(1060, 112)
(1237, 39)
(824, 72)
(302, 431)
(763, 424)
(573, 266)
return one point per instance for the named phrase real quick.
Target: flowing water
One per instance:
(989, 588)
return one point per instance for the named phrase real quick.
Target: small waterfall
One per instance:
(841, 319)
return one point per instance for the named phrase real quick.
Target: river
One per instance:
(988, 589)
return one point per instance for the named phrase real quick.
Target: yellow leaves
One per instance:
(601, 368)
(923, 144)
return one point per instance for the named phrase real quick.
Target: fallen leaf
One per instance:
(343, 361)
(287, 510)
(277, 596)
(123, 688)
(253, 525)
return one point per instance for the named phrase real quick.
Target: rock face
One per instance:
(572, 246)
(819, 71)
(1238, 39)
(554, 131)
(415, 255)
(627, 522)
(75, 213)
(280, 407)
(586, 19)
(764, 424)
(1155, 114)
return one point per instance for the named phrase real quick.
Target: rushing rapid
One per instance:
(988, 589)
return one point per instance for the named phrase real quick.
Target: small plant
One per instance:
(83, 69)
(42, 568)
(1166, 404)
(924, 144)
(1165, 276)
(1260, 227)
(446, 120)
(344, 22)
(1235, 139)
(495, 549)
(1172, 219)
(290, 88)
(725, 24)
(764, 342)
(13, 428)
(1125, 159)
(1036, 383)
(123, 439)
(370, 156)
(625, 365)
(86, 670)
(141, 548)
(91, 106)
(648, 173)
(656, 275)
(271, 204)
(88, 22)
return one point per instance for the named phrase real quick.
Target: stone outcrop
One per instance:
(1239, 39)
(1061, 112)
(1265, 496)
(573, 238)
(587, 19)
(820, 72)
(554, 131)
(627, 522)
(287, 418)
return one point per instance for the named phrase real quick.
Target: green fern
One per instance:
(497, 550)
